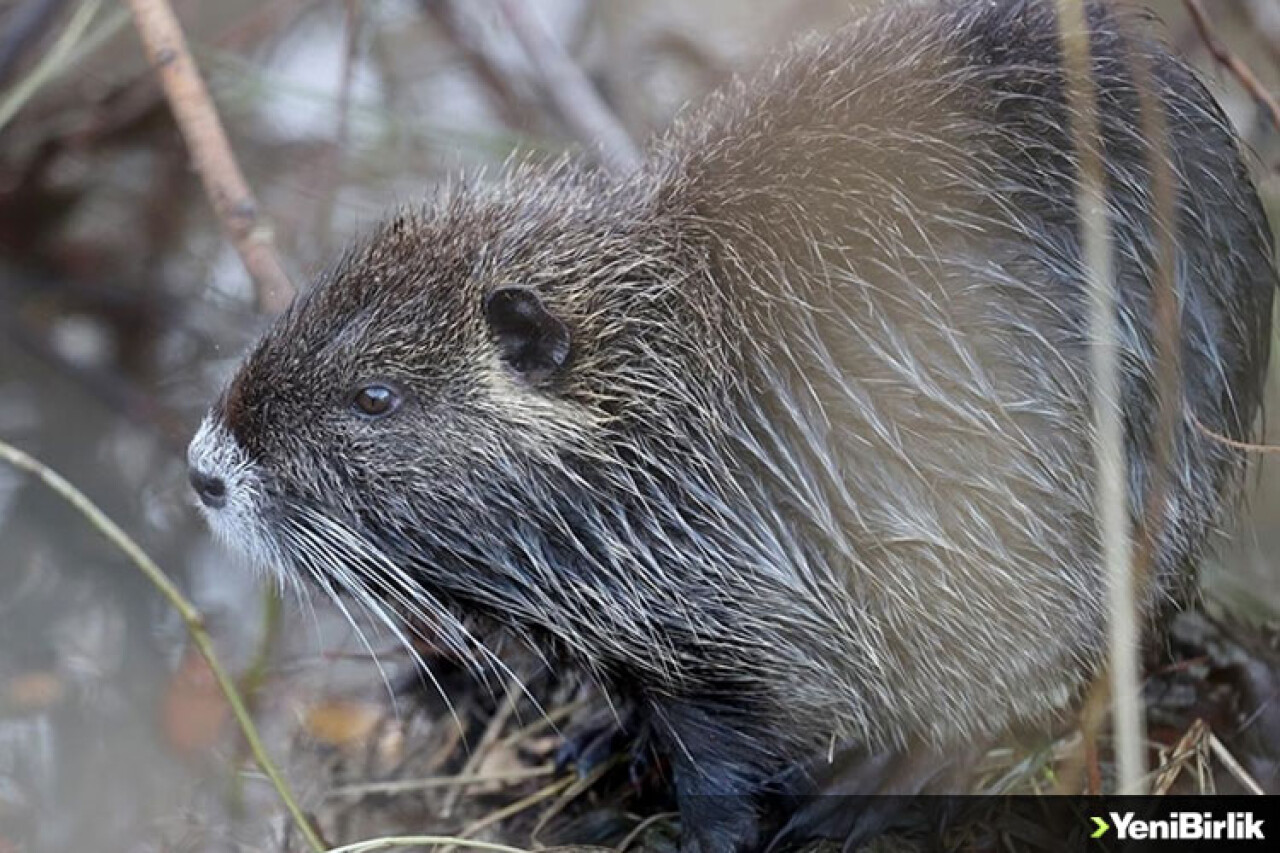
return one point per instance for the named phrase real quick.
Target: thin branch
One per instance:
(190, 616)
(202, 130)
(1241, 71)
(577, 100)
(1111, 495)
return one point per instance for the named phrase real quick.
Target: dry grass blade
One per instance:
(1112, 502)
(487, 741)
(499, 815)
(1246, 446)
(641, 827)
(549, 720)
(190, 617)
(1234, 767)
(56, 60)
(405, 786)
(579, 786)
(1190, 747)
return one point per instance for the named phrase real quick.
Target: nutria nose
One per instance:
(212, 490)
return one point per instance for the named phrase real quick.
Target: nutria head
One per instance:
(447, 394)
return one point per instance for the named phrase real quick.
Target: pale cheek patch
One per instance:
(242, 523)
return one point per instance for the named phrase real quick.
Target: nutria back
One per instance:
(785, 436)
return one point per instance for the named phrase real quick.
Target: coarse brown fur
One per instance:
(786, 435)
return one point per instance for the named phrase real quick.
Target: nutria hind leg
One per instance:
(716, 816)
(721, 767)
(862, 795)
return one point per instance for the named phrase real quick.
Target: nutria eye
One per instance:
(376, 401)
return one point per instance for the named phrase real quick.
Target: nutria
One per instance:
(785, 435)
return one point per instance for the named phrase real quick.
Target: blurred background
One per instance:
(123, 307)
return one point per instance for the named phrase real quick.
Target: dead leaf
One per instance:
(33, 692)
(194, 710)
(342, 722)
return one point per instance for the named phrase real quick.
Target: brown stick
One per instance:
(201, 128)
(1242, 72)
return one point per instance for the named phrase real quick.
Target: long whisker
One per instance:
(342, 570)
(394, 581)
(375, 568)
(313, 557)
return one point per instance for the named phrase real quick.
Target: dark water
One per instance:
(93, 751)
(85, 643)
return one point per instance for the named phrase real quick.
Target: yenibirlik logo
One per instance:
(1181, 826)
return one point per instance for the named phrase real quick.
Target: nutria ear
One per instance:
(530, 338)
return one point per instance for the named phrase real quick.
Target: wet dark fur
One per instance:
(816, 469)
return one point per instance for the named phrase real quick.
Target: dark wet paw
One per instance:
(594, 743)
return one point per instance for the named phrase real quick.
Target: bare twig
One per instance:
(190, 616)
(1112, 502)
(1241, 71)
(577, 100)
(202, 130)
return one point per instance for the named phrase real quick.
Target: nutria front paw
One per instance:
(606, 736)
